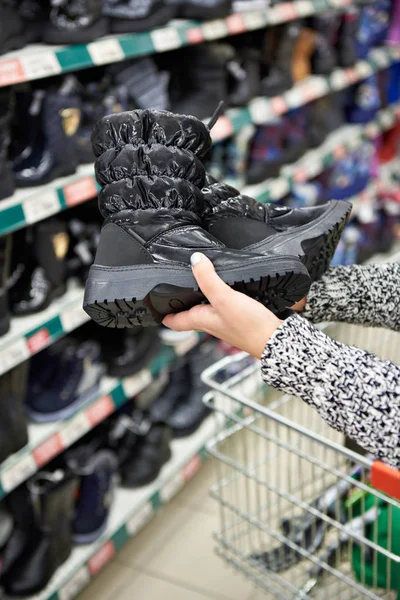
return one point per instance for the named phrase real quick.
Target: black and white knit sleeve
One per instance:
(364, 294)
(352, 390)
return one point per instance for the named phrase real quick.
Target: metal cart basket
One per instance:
(300, 514)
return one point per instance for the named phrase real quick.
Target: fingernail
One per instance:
(195, 258)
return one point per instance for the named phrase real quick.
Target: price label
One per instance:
(338, 79)
(186, 345)
(11, 72)
(192, 468)
(215, 29)
(75, 585)
(136, 383)
(172, 487)
(372, 130)
(363, 69)
(387, 120)
(288, 11)
(260, 110)
(40, 65)
(101, 558)
(140, 519)
(278, 188)
(14, 354)
(165, 39)
(99, 410)
(339, 152)
(194, 35)
(74, 429)
(41, 206)
(235, 24)
(279, 105)
(48, 450)
(254, 19)
(304, 8)
(380, 57)
(80, 191)
(38, 340)
(300, 175)
(73, 318)
(351, 75)
(22, 470)
(105, 51)
(222, 129)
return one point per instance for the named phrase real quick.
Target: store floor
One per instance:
(173, 558)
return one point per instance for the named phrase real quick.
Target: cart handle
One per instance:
(386, 479)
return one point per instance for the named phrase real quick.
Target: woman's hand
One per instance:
(231, 316)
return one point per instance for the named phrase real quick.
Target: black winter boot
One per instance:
(323, 59)
(38, 273)
(35, 14)
(243, 76)
(75, 22)
(5, 264)
(50, 541)
(241, 222)
(133, 16)
(346, 45)
(12, 27)
(48, 149)
(13, 429)
(7, 184)
(278, 58)
(149, 164)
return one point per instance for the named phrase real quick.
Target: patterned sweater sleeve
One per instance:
(352, 390)
(364, 294)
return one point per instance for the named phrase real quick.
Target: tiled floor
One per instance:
(173, 557)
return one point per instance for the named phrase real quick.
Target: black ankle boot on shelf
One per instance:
(323, 59)
(48, 148)
(7, 184)
(12, 30)
(13, 429)
(47, 524)
(278, 57)
(241, 222)
(38, 270)
(35, 16)
(75, 22)
(131, 16)
(126, 353)
(243, 77)
(346, 45)
(148, 163)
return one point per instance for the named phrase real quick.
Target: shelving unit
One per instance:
(39, 61)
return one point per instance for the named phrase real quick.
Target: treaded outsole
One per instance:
(275, 292)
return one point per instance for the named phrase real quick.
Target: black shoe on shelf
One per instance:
(201, 10)
(35, 14)
(13, 428)
(243, 77)
(278, 57)
(243, 223)
(131, 16)
(75, 22)
(7, 183)
(49, 535)
(127, 352)
(346, 45)
(152, 200)
(12, 30)
(38, 273)
(176, 391)
(323, 59)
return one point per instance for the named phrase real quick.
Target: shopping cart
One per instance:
(299, 513)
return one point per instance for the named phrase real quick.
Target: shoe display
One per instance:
(365, 101)
(50, 538)
(47, 149)
(128, 352)
(244, 77)
(323, 59)
(75, 22)
(38, 270)
(278, 59)
(7, 184)
(311, 233)
(295, 139)
(130, 16)
(142, 267)
(176, 391)
(97, 474)
(346, 45)
(13, 427)
(12, 33)
(69, 379)
(266, 154)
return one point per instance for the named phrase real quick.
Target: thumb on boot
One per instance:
(212, 286)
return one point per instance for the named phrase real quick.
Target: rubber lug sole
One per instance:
(143, 295)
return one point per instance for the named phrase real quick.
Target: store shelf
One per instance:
(48, 440)
(31, 205)
(38, 61)
(346, 139)
(131, 511)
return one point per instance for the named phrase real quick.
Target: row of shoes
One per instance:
(69, 503)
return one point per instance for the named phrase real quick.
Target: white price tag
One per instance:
(387, 120)
(165, 39)
(140, 519)
(278, 188)
(41, 206)
(75, 585)
(74, 429)
(339, 80)
(304, 8)
(136, 383)
(40, 65)
(105, 51)
(172, 487)
(260, 110)
(254, 19)
(275, 15)
(372, 130)
(363, 69)
(12, 477)
(215, 29)
(186, 345)
(73, 318)
(381, 57)
(13, 355)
